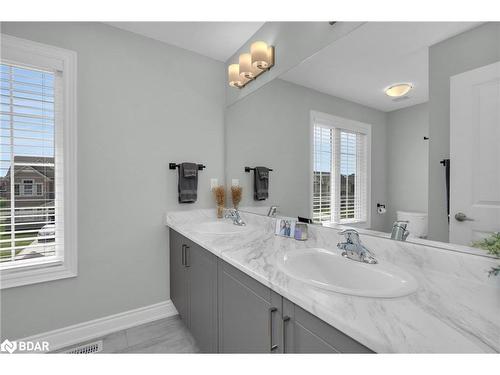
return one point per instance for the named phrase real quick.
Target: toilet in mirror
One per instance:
(391, 130)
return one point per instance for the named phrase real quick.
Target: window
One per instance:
(27, 186)
(39, 189)
(38, 137)
(340, 170)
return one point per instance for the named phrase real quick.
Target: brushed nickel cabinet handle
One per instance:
(187, 256)
(286, 319)
(272, 346)
(183, 255)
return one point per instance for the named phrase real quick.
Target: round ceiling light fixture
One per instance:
(398, 90)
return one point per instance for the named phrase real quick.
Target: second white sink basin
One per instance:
(331, 271)
(220, 227)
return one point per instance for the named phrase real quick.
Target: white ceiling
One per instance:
(218, 40)
(361, 65)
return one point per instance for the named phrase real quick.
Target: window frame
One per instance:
(333, 121)
(42, 56)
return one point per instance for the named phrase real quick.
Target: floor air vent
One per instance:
(90, 348)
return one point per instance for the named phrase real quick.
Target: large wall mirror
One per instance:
(394, 122)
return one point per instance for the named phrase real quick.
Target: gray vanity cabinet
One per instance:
(305, 333)
(228, 311)
(193, 280)
(249, 314)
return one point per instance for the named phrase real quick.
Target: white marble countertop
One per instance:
(456, 308)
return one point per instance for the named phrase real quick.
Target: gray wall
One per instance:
(141, 104)
(407, 161)
(469, 50)
(271, 127)
(294, 41)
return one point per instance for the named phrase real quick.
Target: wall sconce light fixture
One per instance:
(251, 65)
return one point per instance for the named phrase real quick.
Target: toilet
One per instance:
(418, 222)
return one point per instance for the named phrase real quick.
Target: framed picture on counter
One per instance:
(285, 227)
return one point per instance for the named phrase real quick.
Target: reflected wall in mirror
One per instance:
(344, 152)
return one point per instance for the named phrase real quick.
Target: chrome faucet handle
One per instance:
(351, 235)
(401, 223)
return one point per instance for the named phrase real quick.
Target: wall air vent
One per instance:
(90, 348)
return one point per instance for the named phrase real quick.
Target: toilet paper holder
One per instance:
(381, 208)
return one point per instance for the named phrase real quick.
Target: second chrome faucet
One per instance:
(234, 214)
(399, 231)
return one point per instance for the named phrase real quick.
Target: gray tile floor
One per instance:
(162, 336)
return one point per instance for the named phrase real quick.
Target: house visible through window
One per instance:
(340, 170)
(37, 163)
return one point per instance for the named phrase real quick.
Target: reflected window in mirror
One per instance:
(340, 171)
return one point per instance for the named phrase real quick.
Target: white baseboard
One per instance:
(92, 329)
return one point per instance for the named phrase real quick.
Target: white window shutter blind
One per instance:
(28, 164)
(335, 215)
(340, 174)
(361, 193)
(322, 155)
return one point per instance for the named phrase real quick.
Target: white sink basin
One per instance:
(331, 271)
(220, 227)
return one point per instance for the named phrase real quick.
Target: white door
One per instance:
(475, 154)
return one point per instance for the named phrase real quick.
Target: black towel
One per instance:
(261, 183)
(188, 182)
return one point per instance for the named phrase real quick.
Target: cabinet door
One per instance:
(305, 333)
(178, 275)
(249, 314)
(202, 293)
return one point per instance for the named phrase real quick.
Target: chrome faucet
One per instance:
(353, 249)
(272, 211)
(399, 231)
(234, 214)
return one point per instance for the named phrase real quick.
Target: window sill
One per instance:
(36, 273)
(361, 224)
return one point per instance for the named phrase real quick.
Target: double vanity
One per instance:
(244, 289)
